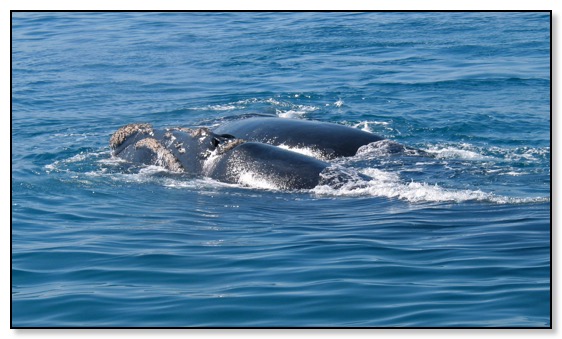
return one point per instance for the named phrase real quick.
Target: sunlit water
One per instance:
(457, 238)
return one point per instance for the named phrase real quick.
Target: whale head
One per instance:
(177, 149)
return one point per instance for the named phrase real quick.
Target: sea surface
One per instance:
(459, 238)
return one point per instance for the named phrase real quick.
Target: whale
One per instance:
(251, 149)
(329, 140)
(222, 157)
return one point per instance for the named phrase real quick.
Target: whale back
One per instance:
(328, 139)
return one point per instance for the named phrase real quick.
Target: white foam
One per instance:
(76, 158)
(218, 107)
(465, 152)
(296, 112)
(284, 109)
(380, 175)
(367, 126)
(389, 185)
(240, 104)
(58, 165)
(273, 101)
(244, 102)
(112, 161)
(514, 174)
(226, 107)
(51, 167)
(291, 114)
(194, 183)
(521, 153)
(339, 103)
(145, 175)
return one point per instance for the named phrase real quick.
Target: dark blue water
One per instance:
(461, 238)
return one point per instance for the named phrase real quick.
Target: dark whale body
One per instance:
(330, 140)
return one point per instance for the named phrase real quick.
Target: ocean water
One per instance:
(460, 238)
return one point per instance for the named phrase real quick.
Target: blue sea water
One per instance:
(458, 239)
